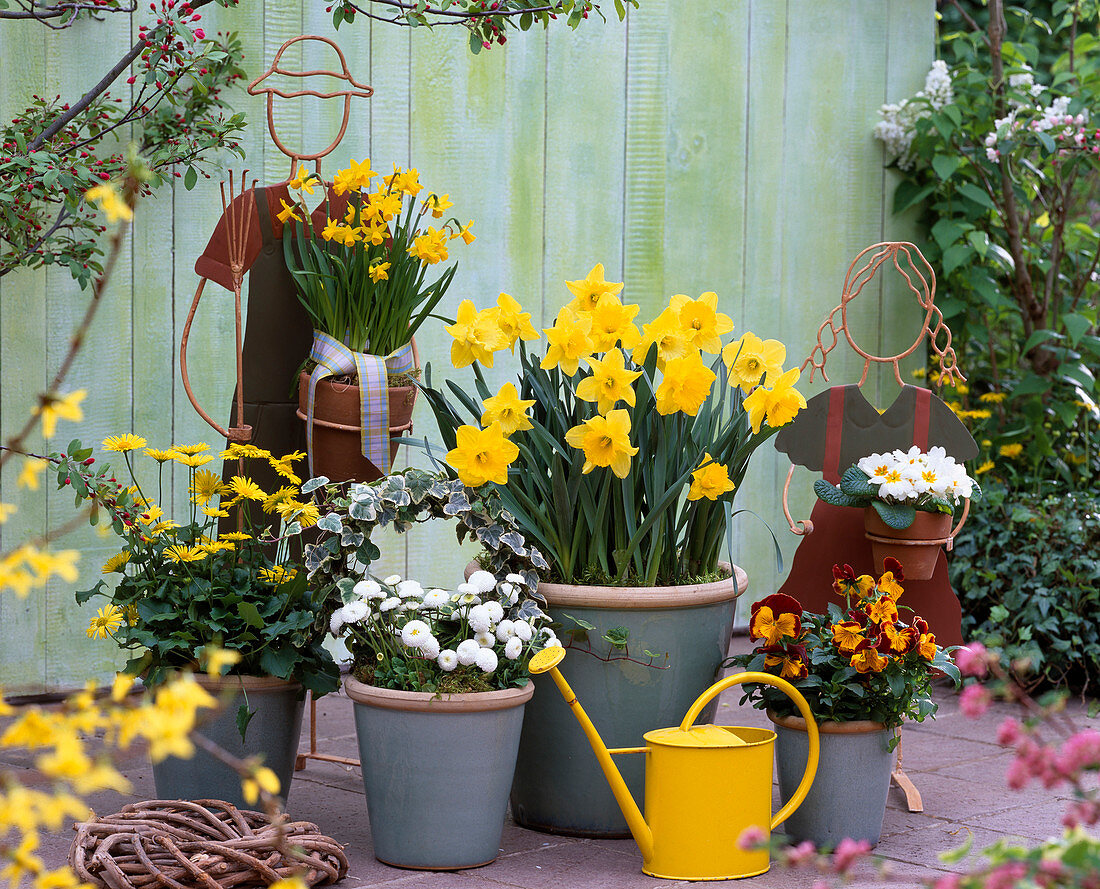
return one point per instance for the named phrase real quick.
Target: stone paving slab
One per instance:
(954, 762)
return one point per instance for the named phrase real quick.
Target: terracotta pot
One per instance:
(559, 787)
(436, 772)
(337, 428)
(848, 796)
(916, 547)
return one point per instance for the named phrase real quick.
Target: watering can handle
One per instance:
(811, 728)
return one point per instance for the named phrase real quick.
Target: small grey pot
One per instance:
(436, 772)
(272, 733)
(848, 796)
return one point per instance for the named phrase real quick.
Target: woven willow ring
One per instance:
(207, 843)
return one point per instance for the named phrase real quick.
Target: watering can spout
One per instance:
(547, 660)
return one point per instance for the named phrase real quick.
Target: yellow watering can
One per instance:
(704, 784)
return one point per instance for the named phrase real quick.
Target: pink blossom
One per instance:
(752, 837)
(974, 701)
(848, 852)
(1018, 774)
(1006, 876)
(1009, 733)
(972, 659)
(200, 33)
(1083, 811)
(1080, 752)
(803, 853)
(950, 881)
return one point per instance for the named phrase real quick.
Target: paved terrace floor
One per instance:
(954, 761)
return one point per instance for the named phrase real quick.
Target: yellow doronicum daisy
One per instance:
(205, 487)
(685, 386)
(62, 407)
(612, 324)
(305, 514)
(191, 449)
(507, 409)
(108, 619)
(246, 488)
(161, 456)
(711, 480)
(123, 443)
(248, 451)
(192, 460)
(482, 455)
(609, 383)
(568, 341)
(701, 320)
(1011, 450)
(180, 553)
(514, 323)
(665, 332)
(116, 562)
(477, 335)
(277, 574)
(588, 290)
(235, 535)
(605, 442)
(215, 659)
(749, 358)
(778, 404)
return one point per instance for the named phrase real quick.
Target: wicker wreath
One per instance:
(207, 843)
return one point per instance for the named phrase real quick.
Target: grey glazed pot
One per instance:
(272, 733)
(559, 787)
(848, 796)
(436, 771)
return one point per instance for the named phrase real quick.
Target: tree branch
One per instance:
(61, 217)
(459, 17)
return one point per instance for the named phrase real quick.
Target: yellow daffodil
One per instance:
(332, 227)
(385, 205)
(439, 204)
(61, 407)
(304, 180)
(685, 386)
(514, 323)
(612, 324)
(847, 634)
(468, 237)
(107, 198)
(344, 181)
(609, 383)
(376, 232)
(665, 332)
(482, 455)
(778, 404)
(605, 442)
(360, 173)
(430, 247)
(108, 619)
(28, 473)
(407, 181)
(476, 336)
(507, 409)
(701, 320)
(287, 212)
(588, 290)
(747, 360)
(379, 271)
(180, 553)
(711, 480)
(568, 341)
(116, 562)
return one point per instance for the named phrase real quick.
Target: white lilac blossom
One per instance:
(486, 660)
(898, 124)
(482, 581)
(467, 652)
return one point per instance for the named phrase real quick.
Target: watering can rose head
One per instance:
(859, 662)
(638, 435)
(900, 483)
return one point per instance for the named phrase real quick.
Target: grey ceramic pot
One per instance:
(436, 771)
(848, 796)
(559, 787)
(272, 733)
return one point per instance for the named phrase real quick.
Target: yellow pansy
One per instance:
(685, 386)
(926, 646)
(60, 407)
(482, 455)
(747, 359)
(28, 474)
(665, 332)
(711, 480)
(514, 323)
(612, 324)
(568, 341)
(605, 442)
(772, 627)
(868, 660)
(847, 634)
(108, 619)
(888, 585)
(701, 320)
(588, 290)
(507, 409)
(881, 610)
(476, 336)
(609, 383)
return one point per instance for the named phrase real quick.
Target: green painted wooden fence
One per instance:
(718, 146)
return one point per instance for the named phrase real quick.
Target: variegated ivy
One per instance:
(344, 551)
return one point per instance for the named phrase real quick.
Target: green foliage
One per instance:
(1003, 174)
(182, 589)
(1027, 570)
(175, 116)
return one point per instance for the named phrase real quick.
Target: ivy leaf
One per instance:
(244, 717)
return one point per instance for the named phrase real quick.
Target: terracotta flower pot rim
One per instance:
(404, 395)
(429, 702)
(925, 522)
(828, 727)
(246, 683)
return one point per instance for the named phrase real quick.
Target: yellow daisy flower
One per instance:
(180, 553)
(108, 619)
(246, 488)
(123, 443)
(191, 449)
(205, 487)
(235, 535)
(161, 456)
